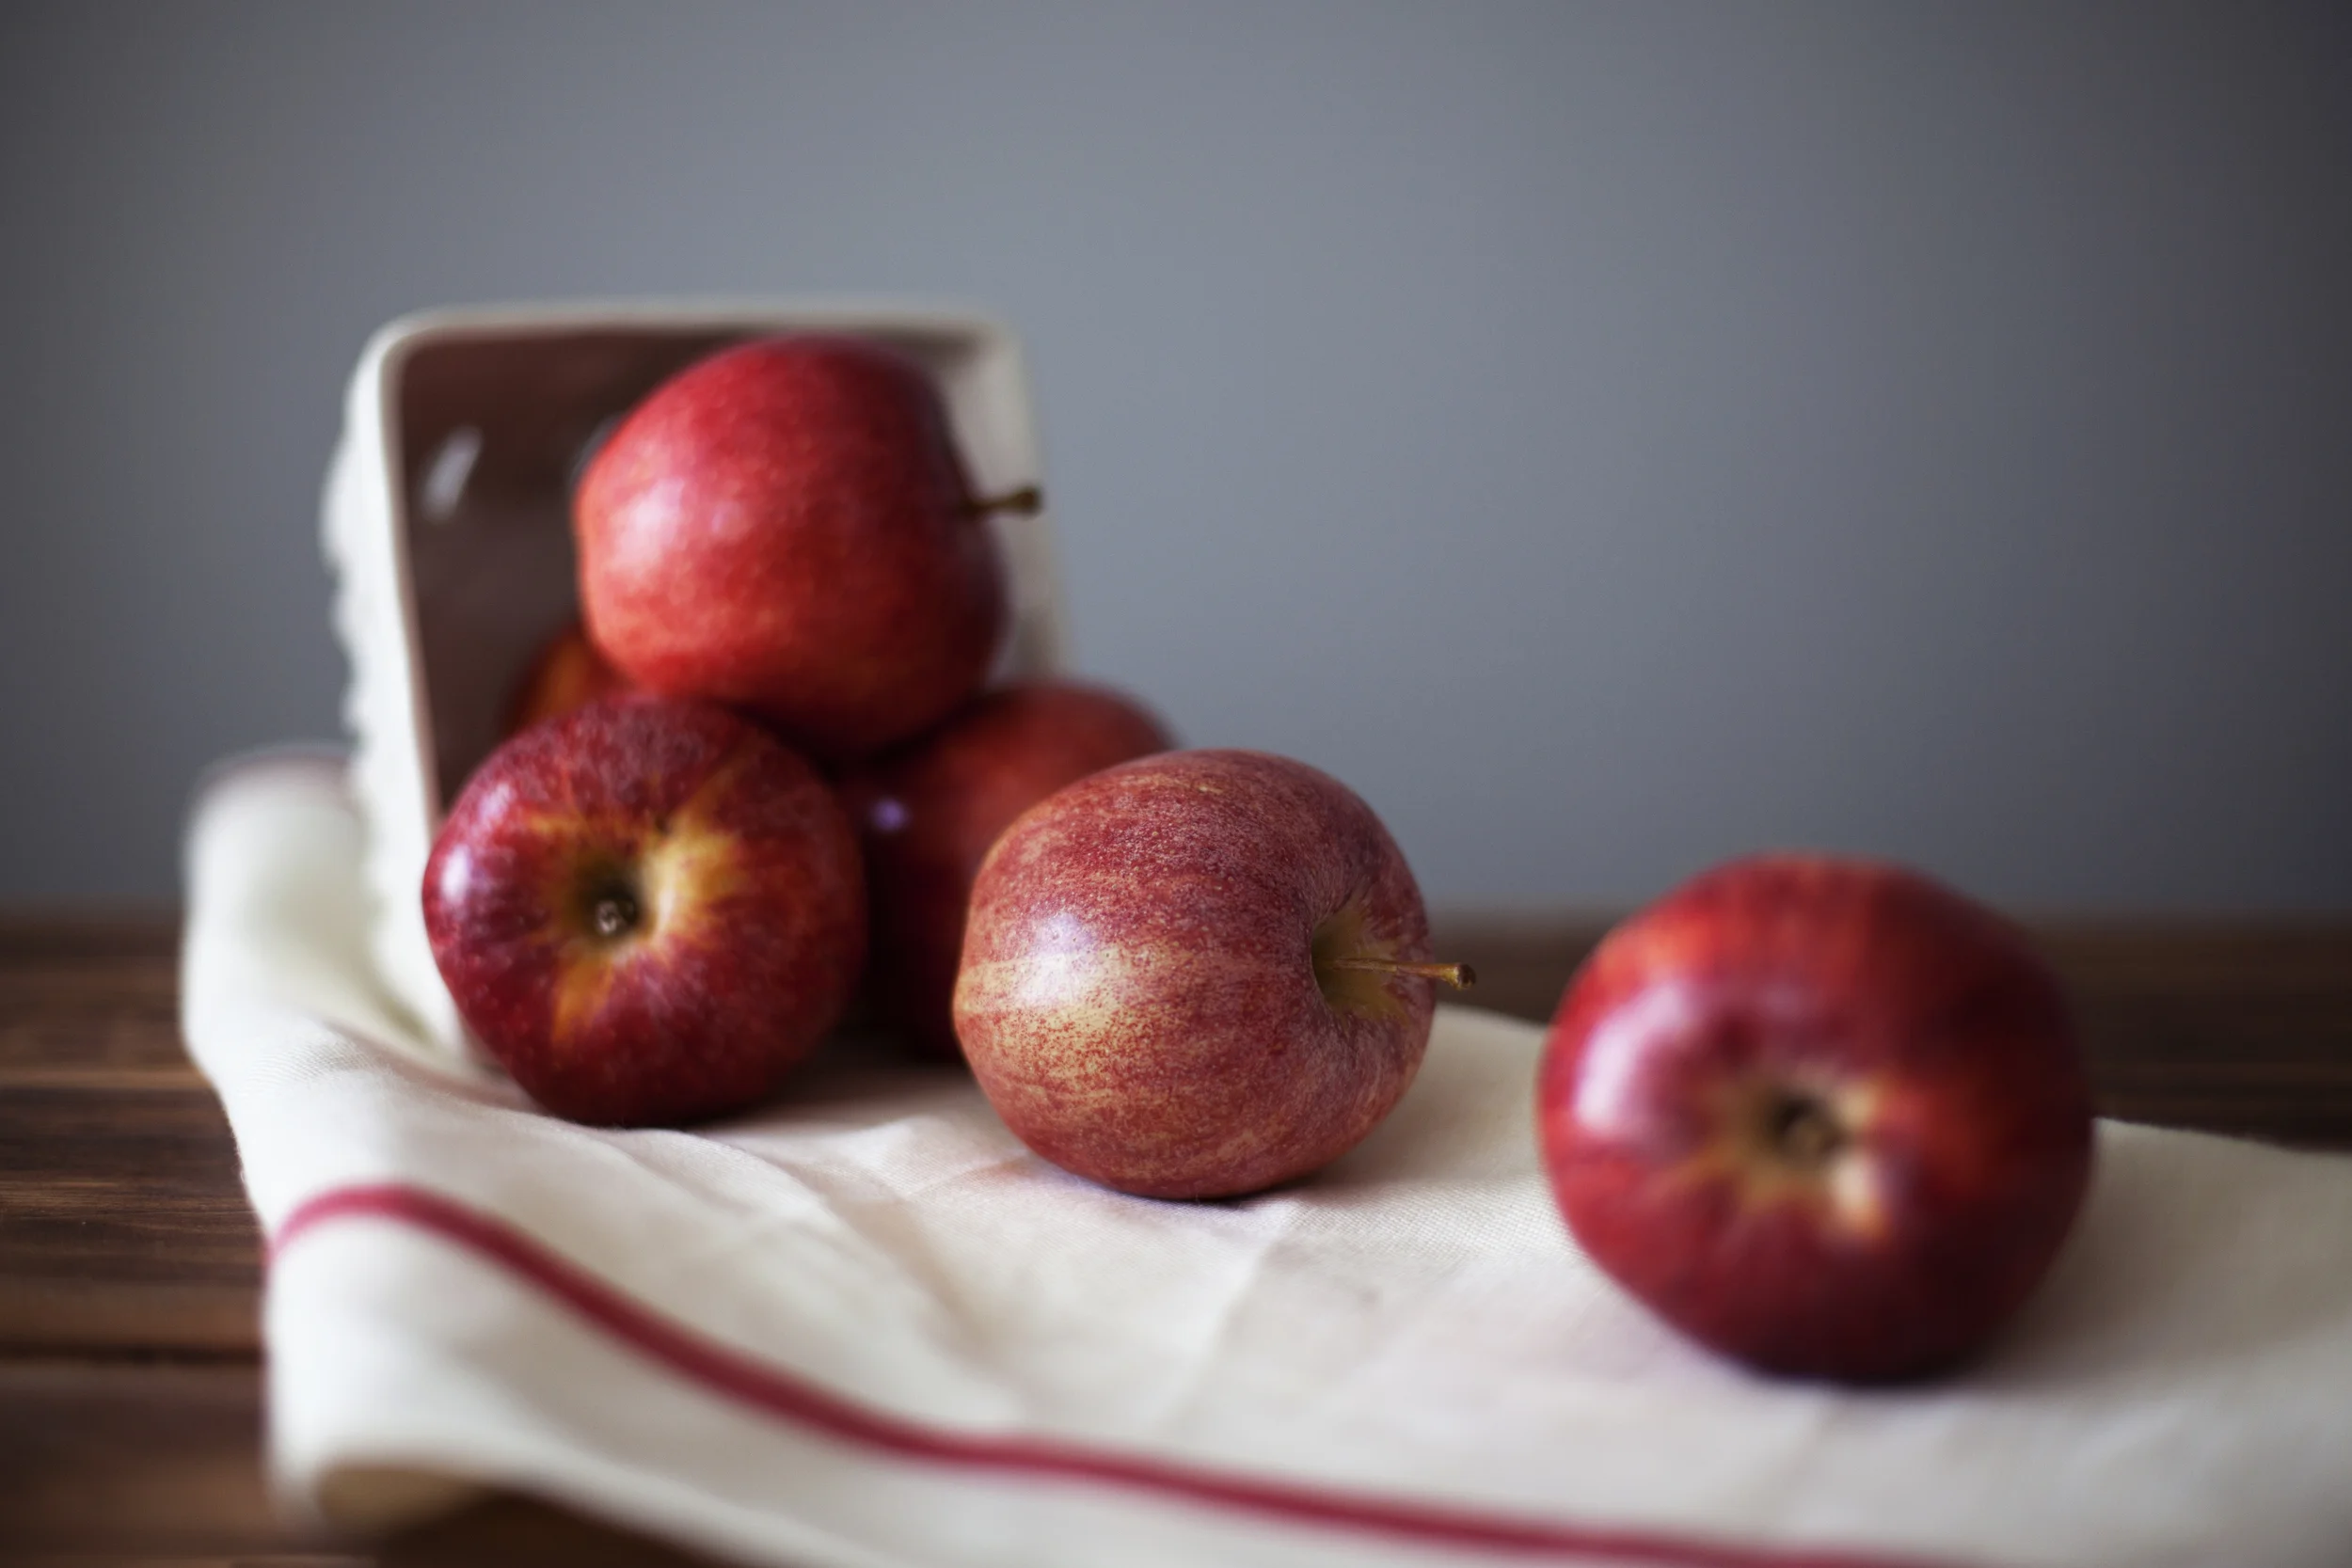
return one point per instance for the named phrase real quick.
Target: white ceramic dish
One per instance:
(448, 528)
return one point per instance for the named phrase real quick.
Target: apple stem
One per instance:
(1460, 976)
(1028, 501)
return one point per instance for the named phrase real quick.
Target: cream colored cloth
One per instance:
(863, 1325)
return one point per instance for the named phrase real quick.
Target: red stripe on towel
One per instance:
(791, 1398)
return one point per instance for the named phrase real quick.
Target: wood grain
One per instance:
(91, 992)
(129, 1456)
(104, 1465)
(129, 1267)
(123, 1224)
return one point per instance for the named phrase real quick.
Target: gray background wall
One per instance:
(1610, 436)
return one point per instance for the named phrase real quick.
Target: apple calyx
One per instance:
(1802, 1132)
(615, 914)
(1027, 501)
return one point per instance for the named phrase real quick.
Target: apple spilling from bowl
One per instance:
(1822, 1116)
(928, 812)
(648, 909)
(790, 589)
(1198, 974)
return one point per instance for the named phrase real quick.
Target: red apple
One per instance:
(785, 527)
(566, 673)
(1197, 974)
(1822, 1116)
(928, 812)
(646, 909)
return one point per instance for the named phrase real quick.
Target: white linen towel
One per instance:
(863, 1325)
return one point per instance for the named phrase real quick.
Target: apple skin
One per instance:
(1823, 1116)
(785, 527)
(566, 672)
(726, 880)
(1141, 997)
(928, 812)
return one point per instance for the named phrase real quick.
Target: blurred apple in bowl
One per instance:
(1198, 974)
(785, 527)
(1822, 1116)
(928, 812)
(647, 911)
(567, 673)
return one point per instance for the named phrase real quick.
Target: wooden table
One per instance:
(129, 1360)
